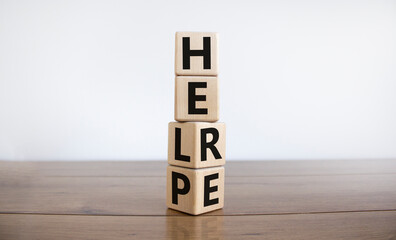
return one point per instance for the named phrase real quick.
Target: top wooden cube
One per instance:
(196, 54)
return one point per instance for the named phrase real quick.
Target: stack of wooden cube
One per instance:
(196, 142)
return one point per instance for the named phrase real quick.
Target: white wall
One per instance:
(93, 80)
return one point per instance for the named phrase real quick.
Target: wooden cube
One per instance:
(196, 99)
(196, 54)
(195, 191)
(196, 144)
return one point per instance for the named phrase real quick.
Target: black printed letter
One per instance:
(178, 155)
(208, 189)
(211, 144)
(187, 52)
(181, 191)
(192, 98)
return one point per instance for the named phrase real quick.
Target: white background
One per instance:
(94, 80)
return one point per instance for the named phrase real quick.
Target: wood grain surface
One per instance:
(263, 200)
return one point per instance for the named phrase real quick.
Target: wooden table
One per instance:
(263, 200)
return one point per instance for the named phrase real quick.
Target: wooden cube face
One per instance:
(196, 54)
(195, 191)
(196, 99)
(196, 144)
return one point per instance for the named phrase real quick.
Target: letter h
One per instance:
(188, 53)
